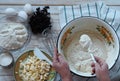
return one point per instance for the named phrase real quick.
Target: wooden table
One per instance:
(7, 74)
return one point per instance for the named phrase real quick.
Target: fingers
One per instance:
(99, 66)
(99, 60)
(102, 62)
(61, 59)
(92, 64)
(105, 66)
(55, 51)
(93, 67)
(58, 58)
(93, 70)
(55, 57)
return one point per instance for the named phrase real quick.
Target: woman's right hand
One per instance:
(100, 69)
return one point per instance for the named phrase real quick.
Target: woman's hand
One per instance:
(100, 69)
(61, 66)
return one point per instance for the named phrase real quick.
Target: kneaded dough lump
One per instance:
(13, 35)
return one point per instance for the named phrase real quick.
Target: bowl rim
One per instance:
(118, 39)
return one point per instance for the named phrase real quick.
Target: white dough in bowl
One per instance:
(13, 35)
(78, 57)
(105, 44)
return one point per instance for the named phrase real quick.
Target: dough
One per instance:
(78, 57)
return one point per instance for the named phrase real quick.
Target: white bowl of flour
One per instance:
(6, 58)
(105, 44)
(14, 33)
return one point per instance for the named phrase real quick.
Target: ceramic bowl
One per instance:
(96, 26)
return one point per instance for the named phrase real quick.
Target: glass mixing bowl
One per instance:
(15, 33)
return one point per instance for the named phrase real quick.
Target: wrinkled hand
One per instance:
(100, 69)
(61, 66)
